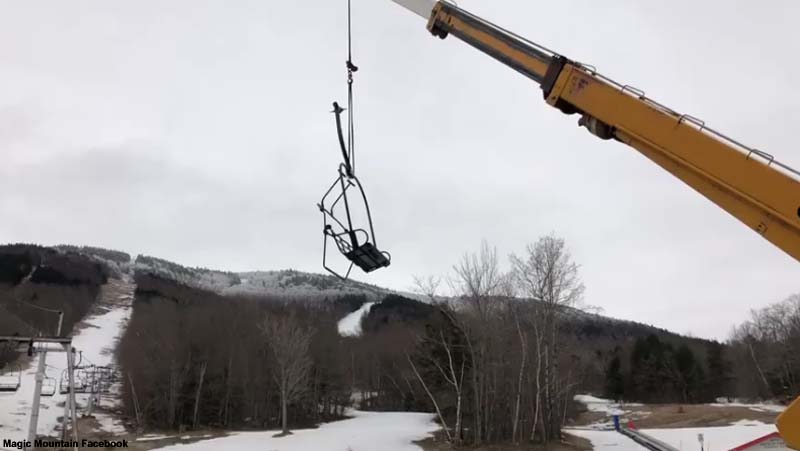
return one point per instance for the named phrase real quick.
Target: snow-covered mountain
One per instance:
(118, 263)
(284, 283)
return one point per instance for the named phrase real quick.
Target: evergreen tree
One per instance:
(648, 370)
(615, 383)
(688, 377)
(720, 373)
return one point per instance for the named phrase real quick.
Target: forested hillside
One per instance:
(196, 358)
(499, 359)
(287, 284)
(34, 277)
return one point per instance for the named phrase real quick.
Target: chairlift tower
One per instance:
(70, 417)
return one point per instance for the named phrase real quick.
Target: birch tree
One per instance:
(548, 277)
(477, 281)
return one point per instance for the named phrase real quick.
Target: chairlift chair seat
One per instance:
(9, 383)
(368, 257)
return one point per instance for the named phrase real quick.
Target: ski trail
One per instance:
(350, 325)
(96, 337)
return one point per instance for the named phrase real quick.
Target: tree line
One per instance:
(501, 364)
(497, 360)
(765, 352)
(33, 278)
(759, 362)
(658, 371)
(191, 358)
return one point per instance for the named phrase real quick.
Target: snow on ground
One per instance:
(746, 423)
(365, 431)
(96, 339)
(715, 438)
(350, 325)
(607, 440)
(297, 284)
(760, 407)
(601, 405)
(151, 437)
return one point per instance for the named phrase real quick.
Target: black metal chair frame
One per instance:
(348, 239)
(357, 244)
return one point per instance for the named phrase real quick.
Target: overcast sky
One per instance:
(199, 132)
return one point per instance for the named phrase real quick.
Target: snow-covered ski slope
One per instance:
(350, 325)
(96, 337)
(365, 431)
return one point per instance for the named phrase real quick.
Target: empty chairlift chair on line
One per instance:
(78, 378)
(10, 382)
(64, 383)
(48, 386)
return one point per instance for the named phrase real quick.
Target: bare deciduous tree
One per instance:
(428, 286)
(478, 281)
(478, 278)
(432, 398)
(548, 277)
(769, 347)
(203, 367)
(289, 342)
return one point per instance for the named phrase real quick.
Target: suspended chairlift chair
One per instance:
(11, 382)
(63, 383)
(48, 386)
(356, 243)
(82, 379)
(78, 379)
(345, 198)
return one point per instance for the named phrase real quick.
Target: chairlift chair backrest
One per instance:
(48, 386)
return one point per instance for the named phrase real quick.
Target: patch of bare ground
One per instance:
(182, 439)
(90, 429)
(570, 443)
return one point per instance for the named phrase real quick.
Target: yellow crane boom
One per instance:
(746, 182)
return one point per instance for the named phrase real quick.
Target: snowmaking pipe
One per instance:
(645, 440)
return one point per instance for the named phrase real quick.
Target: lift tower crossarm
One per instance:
(748, 183)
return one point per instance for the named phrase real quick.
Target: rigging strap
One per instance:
(351, 69)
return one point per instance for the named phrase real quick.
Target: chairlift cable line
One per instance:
(38, 307)
(351, 69)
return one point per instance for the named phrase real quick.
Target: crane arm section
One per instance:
(747, 183)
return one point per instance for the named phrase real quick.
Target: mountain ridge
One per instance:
(293, 284)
